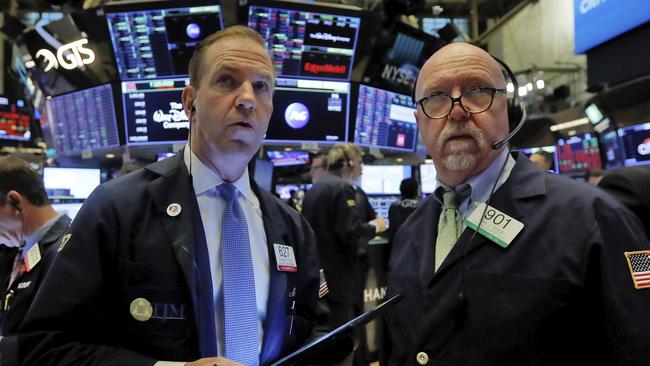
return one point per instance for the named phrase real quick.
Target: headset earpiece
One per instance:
(15, 205)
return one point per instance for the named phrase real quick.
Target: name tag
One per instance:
(285, 258)
(496, 226)
(33, 257)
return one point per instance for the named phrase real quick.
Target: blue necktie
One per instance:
(241, 324)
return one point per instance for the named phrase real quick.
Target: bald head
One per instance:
(455, 59)
(460, 142)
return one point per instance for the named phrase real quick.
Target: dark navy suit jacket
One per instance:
(124, 246)
(560, 294)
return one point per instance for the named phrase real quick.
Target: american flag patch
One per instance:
(322, 289)
(639, 263)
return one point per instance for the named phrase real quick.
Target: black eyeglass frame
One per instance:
(458, 99)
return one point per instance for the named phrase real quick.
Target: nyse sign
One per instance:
(69, 56)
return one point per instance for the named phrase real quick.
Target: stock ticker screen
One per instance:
(385, 119)
(578, 153)
(153, 112)
(14, 120)
(83, 120)
(154, 43)
(636, 144)
(306, 43)
(309, 111)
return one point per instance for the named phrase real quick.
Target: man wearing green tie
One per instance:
(504, 264)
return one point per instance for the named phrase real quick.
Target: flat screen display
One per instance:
(288, 158)
(381, 204)
(83, 120)
(157, 39)
(397, 57)
(427, 178)
(15, 120)
(612, 149)
(593, 114)
(383, 179)
(385, 119)
(284, 190)
(70, 183)
(636, 143)
(578, 153)
(153, 111)
(307, 41)
(309, 111)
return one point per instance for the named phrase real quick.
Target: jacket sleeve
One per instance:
(65, 324)
(619, 308)
(348, 225)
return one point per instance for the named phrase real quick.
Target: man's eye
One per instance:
(224, 79)
(261, 86)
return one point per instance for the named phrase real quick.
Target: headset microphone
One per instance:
(499, 143)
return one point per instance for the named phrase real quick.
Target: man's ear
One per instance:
(15, 199)
(189, 96)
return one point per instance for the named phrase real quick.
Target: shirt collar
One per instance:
(39, 233)
(481, 184)
(205, 180)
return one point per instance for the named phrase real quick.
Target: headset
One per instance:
(343, 161)
(516, 111)
(15, 205)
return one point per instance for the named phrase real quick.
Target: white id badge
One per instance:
(496, 225)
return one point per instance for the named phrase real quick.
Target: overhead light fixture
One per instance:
(522, 91)
(540, 84)
(529, 86)
(510, 87)
(570, 124)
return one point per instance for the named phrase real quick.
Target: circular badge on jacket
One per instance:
(141, 309)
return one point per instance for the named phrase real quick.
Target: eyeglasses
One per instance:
(473, 101)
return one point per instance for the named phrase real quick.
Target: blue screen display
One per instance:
(598, 21)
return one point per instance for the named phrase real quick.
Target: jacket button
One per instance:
(422, 358)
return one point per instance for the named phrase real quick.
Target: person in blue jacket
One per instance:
(145, 277)
(505, 264)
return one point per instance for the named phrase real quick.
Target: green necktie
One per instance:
(448, 227)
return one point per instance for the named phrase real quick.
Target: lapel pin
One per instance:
(174, 209)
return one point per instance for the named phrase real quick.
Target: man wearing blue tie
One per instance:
(186, 259)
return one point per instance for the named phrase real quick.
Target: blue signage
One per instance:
(598, 21)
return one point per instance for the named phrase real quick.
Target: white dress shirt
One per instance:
(212, 206)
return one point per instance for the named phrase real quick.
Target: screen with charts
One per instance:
(309, 111)
(612, 149)
(153, 111)
(15, 120)
(549, 149)
(383, 179)
(83, 120)
(157, 39)
(381, 204)
(578, 153)
(427, 178)
(305, 40)
(636, 143)
(70, 183)
(385, 119)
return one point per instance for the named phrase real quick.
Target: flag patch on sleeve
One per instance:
(639, 263)
(322, 289)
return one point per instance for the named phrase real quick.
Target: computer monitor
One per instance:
(383, 179)
(381, 204)
(397, 57)
(153, 111)
(288, 158)
(15, 120)
(432, 25)
(309, 111)
(593, 113)
(427, 178)
(636, 142)
(307, 40)
(612, 149)
(385, 119)
(548, 149)
(83, 120)
(578, 153)
(70, 183)
(152, 40)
